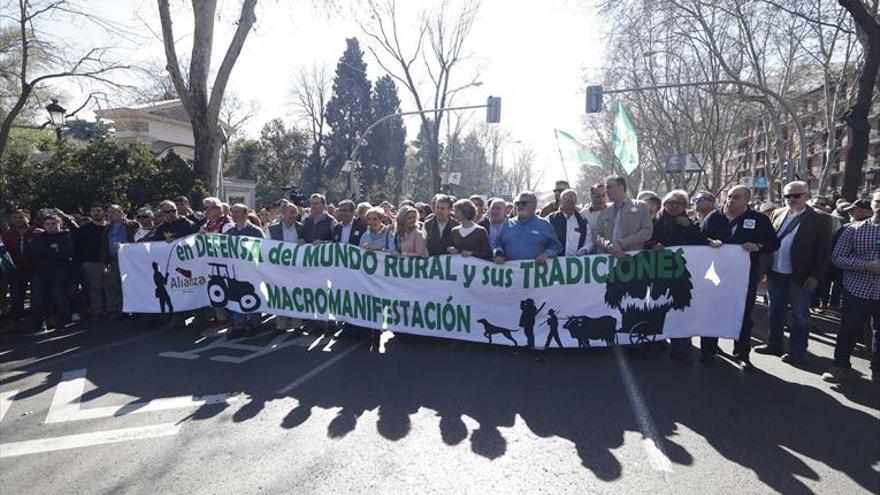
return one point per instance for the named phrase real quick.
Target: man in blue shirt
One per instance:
(527, 237)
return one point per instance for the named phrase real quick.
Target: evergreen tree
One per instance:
(422, 186)
(283, 152)
(243, 157)
(349, 109)
(387, 141)
(473, 167)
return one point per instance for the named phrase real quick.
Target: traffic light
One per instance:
(493, 109)
(594, 99)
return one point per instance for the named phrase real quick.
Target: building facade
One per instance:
(165, 126)
(753, 151)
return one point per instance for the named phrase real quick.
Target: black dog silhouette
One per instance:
(489, 330)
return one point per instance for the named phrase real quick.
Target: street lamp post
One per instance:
(56, 117)
(493, 104)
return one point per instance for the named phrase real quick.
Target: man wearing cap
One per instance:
(805, 245)
(857, 254)
(561, 185)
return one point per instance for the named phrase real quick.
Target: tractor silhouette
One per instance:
(223, 288)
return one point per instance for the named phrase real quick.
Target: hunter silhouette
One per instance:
(552, 322)
(162, 293)
(527, 319)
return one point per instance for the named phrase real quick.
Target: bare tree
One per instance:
(203, 105)
(312, 88)
(831, 45)
(32, 58)
(438, 52)
(493, 138)
(864, 14)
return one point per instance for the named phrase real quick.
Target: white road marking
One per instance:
(6, 402)
(223, 342)
(66, 402)
(87, 439)
(314, 372)
(651, 440)
(58, 337)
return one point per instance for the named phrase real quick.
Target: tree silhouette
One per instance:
(645, 299)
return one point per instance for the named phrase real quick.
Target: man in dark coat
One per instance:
(805, 247)
(739, 224)
(51, 252)
(439, 227)
(348, 229)
(318, 226)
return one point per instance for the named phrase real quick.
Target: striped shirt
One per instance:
(859, 243)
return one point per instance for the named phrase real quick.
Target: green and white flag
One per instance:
(573, 152)
(624, 141)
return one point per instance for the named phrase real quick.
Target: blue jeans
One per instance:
(240, 320)
(782, 290)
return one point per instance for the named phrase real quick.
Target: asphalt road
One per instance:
(117, 408)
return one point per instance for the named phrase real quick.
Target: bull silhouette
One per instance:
(584, 329)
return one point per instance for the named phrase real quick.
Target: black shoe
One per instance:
(769, 349)
(745, 364)
(794, 358)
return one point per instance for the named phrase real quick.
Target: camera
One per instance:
(294, 195)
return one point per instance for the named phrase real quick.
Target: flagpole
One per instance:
(561, 158)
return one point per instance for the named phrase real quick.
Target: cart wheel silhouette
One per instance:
(641, 333)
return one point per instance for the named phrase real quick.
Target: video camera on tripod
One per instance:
(294, 195)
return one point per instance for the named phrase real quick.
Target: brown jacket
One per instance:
(477, 242)
(811, 246)
(636, 226)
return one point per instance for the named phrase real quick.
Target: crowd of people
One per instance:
(813, 256)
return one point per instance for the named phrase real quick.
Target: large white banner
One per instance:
(565, 302)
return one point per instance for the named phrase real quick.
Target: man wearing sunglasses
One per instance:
(805, 246)
(527, 236)
(173, 225)
(144, 218)
(561, 186)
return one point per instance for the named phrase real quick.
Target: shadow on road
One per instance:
(759, 421)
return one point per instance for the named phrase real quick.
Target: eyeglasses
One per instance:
(522, 203)
(792, 196)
